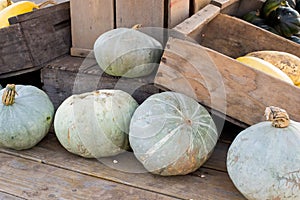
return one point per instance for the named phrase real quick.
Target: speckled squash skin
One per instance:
(264, 162)
(171, 134)
(95, 124)
(26, 122)
(127, 52)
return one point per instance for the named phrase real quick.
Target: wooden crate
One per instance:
(74, 75)
(222, 83)
(34, 39)
(91, 18)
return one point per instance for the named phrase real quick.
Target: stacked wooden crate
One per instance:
(34, 39)
(223, 84)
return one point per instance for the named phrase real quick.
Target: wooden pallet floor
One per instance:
(48, 171)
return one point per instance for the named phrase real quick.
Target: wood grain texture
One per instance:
(73, 75)
(33, 180)
(178, 11)
(149, 13)
(203, 184)
(47, 33)
(186, 68)
(89, 19)
(14, 53)
(193, 26)
(197, 5)
(235, 37)
(6, 196)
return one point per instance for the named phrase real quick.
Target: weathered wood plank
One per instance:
(193, 25)
(205, 183)
(72, 75)
(33, 180)
(5, 196)
(235, 37)
(48, 35)
(89, 19)
(149, 13)
(224, 84)
(178, 10)
(14, 54)
(197, 5)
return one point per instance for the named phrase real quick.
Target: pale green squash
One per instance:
(264, 161)
(26, 114)
(127, 52)
(95, 124)
(171, 134)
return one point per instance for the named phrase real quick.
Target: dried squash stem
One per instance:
(278, 116)
(8, 97)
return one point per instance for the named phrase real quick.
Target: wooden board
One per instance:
(34, 180)
(224, 84)
(73, 75)
(89, 19)
(47, 32)
(14, 54)
(149, 13)
(5, 196)
(178, 11)
(203, 184)
(34, 39)
(197, 5)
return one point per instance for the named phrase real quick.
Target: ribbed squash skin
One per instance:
(171, 134)
(95, 124)
(27, 121)
(264, 162)
(127, 52)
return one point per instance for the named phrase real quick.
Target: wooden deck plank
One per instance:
(206, 183)
(5, 196)
(33, 180)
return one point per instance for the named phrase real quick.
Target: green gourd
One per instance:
(263, 161)
(172, 134)
(26, 114)
(95, 124)
(127, 52)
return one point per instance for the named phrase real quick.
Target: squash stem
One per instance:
(44, 4)
(278, 116)
(8, 97)
(9, 2)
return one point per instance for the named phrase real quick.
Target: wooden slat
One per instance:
(33, 180)
(197, 5)
(48, 35)
(178, 11)
(205, 183)
(192, 26)
(235, 37)
(5, 196)
(206, 75)
(89, 19)
(72, 75)
(149, 13)
(14, 54)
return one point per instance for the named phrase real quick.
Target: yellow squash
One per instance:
(18, 8)
(286, 62)
(5, 3)
(264, 66)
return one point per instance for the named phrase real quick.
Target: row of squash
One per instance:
(278, 16)
(169, 133)
(10, 9)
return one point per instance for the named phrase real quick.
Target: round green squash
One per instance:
(264, 160)
(127, 52)
(26, 114)
(171, 134)
(95, 124)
